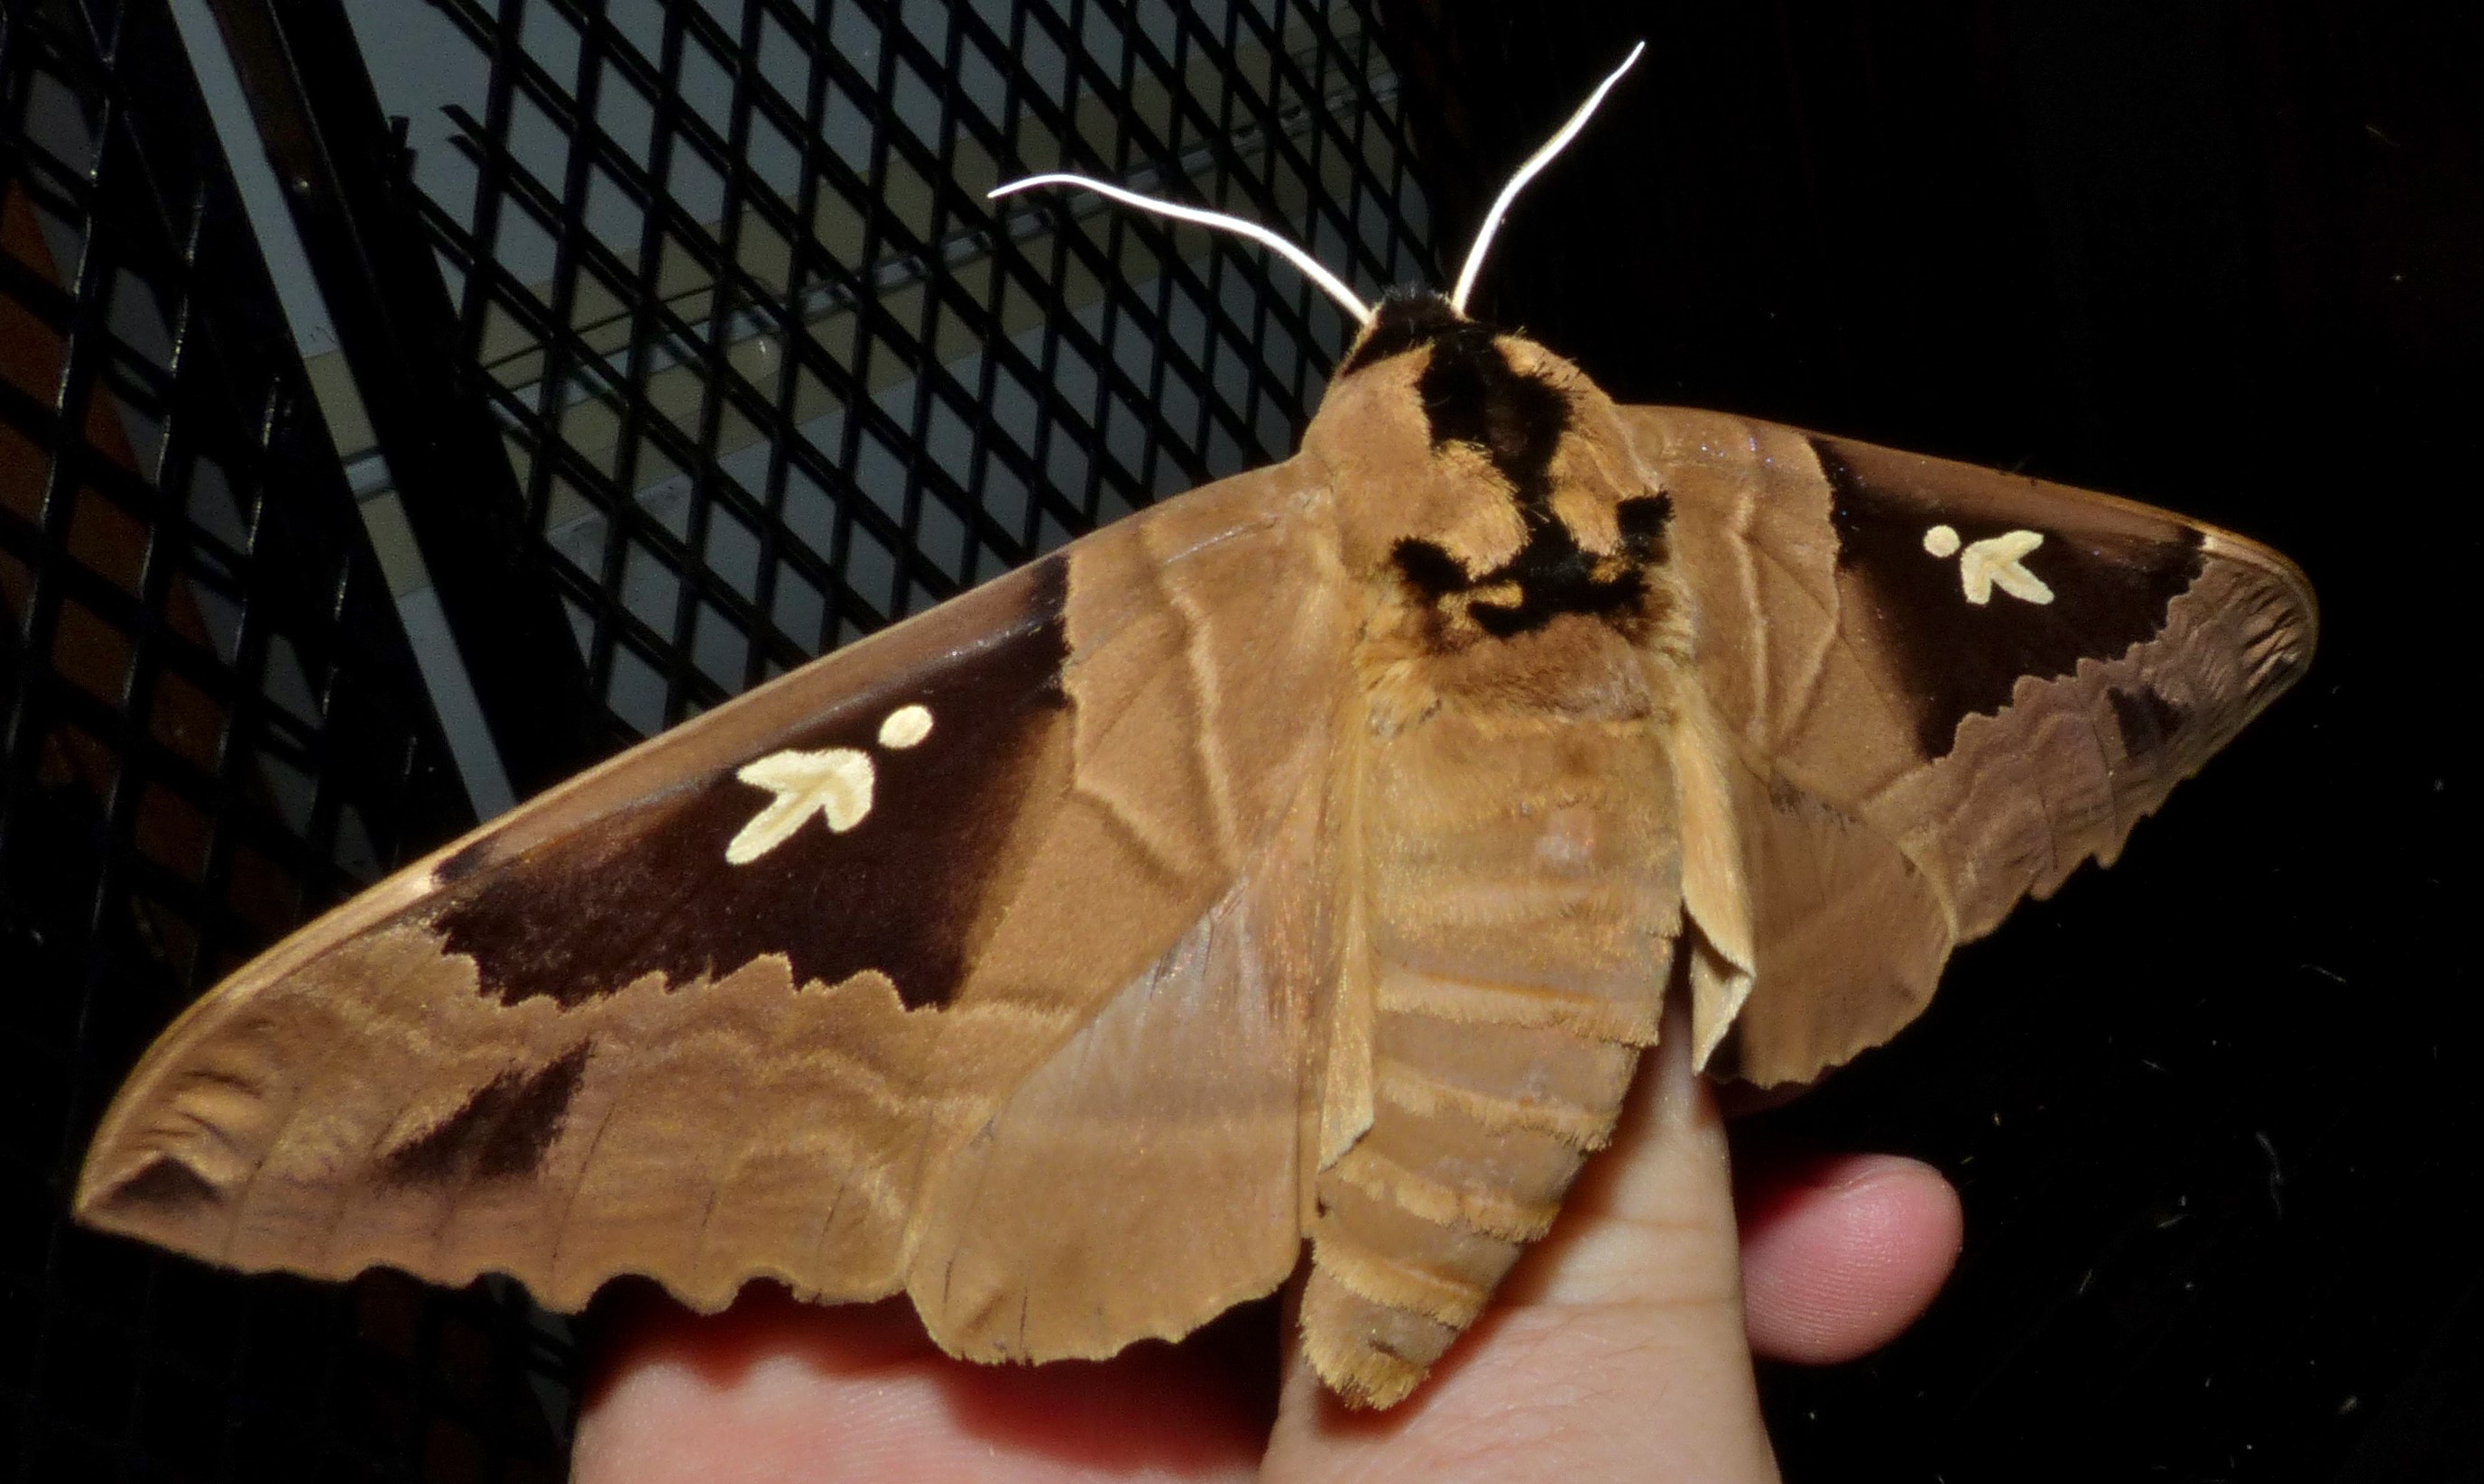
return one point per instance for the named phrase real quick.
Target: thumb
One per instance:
(1614, 1349)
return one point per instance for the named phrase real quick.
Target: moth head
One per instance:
(1492, 484)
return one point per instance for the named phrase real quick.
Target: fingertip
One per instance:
(1842, 1253)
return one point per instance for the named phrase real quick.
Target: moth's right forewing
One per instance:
(633, 1029)
(401, 1080)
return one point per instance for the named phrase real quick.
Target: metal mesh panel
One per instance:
(214, 727)
(774, 372)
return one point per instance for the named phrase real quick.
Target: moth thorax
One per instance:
(1487, 487)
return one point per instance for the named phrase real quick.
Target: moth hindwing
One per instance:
(1264, 866)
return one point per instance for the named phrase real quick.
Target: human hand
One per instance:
(1620, 1346)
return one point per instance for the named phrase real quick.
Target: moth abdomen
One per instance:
(1475, 1137)
(1520, 899)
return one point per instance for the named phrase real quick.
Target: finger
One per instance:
(1841, 1253)
(773, 1390)
(1615, 1348)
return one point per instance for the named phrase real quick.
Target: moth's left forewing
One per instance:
(2117, 647)
(1937, 689)
(750, 999)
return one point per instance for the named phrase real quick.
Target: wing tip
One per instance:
(2296, 622)
(157, 1197)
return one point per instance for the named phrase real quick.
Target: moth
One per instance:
(1307, 858)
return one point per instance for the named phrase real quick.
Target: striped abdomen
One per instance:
(1519, 893)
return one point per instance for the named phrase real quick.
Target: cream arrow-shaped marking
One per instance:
(1994, 563)
(835, 783)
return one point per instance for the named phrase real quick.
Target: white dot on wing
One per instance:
(905, 726)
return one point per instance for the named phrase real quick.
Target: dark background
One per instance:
(2215, 1112)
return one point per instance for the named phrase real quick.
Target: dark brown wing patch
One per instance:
(501, 1132)
(2146, 719)
(2111, 578)
(167, 1187)
(649, 888)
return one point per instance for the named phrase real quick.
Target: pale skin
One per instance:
(1621, 1347)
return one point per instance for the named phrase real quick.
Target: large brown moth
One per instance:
(1308, 856)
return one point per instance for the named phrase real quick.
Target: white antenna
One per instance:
(1329, 283)
(1528, 171)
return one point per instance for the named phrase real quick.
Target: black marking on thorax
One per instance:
(2110, 587)
(649, 888)
(1553, 573)
(1471, 394)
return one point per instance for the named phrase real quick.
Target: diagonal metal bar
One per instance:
(345, 186)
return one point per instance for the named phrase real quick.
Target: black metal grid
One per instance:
(213, 727)
(773, 372)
